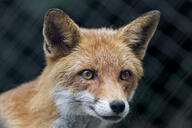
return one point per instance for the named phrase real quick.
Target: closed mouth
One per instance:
(109, 118)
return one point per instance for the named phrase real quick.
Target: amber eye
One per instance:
(125, 75)
(87, 74)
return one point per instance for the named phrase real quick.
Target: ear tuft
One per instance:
(138, 33)
(61, 34)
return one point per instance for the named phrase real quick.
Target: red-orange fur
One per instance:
(105, 50)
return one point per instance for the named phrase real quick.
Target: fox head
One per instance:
(95, 71)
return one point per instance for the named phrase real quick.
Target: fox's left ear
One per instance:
(138, 33)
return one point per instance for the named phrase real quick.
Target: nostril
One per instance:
(117, 106)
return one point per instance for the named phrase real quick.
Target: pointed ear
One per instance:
(61, 34)
(138, 33)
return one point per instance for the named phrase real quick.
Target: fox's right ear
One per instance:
(61, 34)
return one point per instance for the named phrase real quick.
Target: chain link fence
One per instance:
(164, 96)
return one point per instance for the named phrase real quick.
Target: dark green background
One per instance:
(164, 96)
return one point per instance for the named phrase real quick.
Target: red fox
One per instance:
(89, 78)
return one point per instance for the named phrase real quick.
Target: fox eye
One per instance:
(87, 74)
(125, 75)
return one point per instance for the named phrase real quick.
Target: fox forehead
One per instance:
(102, 49)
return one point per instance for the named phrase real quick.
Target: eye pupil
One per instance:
(87, 73)
(125, 75)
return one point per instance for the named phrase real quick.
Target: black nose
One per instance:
(117, 106)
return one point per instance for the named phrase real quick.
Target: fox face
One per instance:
(95, 71)
(101, 73)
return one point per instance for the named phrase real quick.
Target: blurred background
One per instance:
(164, 96)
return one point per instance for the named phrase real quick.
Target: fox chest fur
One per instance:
(89, 78)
